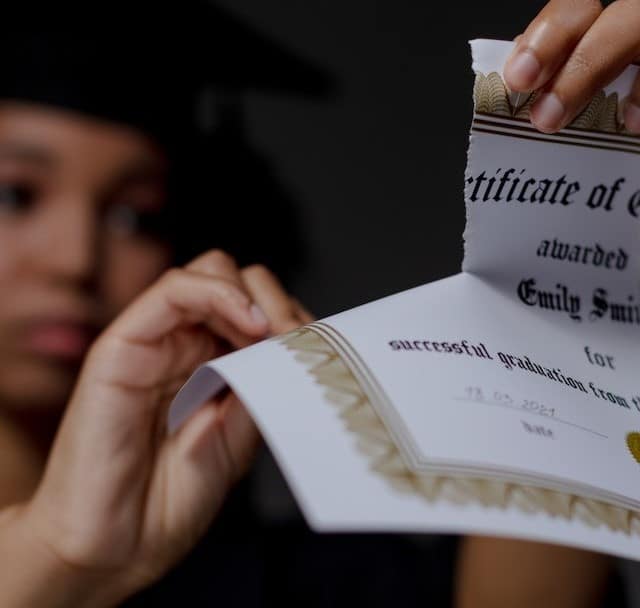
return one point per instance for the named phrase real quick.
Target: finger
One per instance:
(219, 264)
(631, 110)
(605, 50)
(192, 346)
(182, 298)
(271, 296)
(198, 475)
(548, 41)
(241, 435)
(302, 312)
(233, 337)
(205, 457)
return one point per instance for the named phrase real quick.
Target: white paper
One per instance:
(503, 400)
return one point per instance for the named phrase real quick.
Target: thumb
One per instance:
(205, 457)
(241, 435)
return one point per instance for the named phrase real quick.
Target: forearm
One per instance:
(497, 573)
(31, 574)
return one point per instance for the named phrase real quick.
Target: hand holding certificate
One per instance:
(503, 400)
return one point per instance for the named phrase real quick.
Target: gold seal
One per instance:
(633, 443)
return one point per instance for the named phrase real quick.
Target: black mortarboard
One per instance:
(140, 62)
(146, 64)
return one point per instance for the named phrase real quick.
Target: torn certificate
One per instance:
(504, 400)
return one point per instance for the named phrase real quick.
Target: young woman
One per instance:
(570, 51)
(96, 334)
(112, 502)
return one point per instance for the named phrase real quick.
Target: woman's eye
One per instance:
(15, 198)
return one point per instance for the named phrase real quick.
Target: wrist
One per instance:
(38, 575)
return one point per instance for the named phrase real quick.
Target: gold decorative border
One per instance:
(491, 96)
(342, 390)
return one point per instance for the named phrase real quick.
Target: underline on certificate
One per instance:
(524, 411)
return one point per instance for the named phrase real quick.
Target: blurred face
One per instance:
(79, 203)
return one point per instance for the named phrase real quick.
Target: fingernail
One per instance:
(522, 71)
(548, 113)
(258, 316)
(632, 116)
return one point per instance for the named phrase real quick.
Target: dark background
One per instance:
(376, 168)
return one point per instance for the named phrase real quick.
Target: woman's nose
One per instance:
(70, 241)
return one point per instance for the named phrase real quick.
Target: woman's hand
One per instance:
(570, 51)
(121, 501)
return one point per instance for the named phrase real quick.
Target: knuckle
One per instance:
(585, 7)
(631, 6)
(261, 276)
(580, 64)
(565, 21)
(219, 288)
(567, 15)
(219, 256)
(171, 276)
(258, 270)
(585, 66)
(212, 261)
(625, 3)
(226, 290)
(594, 6)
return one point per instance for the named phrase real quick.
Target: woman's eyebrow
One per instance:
(142, 170)
(25, 152)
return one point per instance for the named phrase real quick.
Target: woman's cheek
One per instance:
(9, 252)
(18, 273)
(131, 265)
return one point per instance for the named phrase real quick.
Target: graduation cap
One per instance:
(140, 62)
(146, 64)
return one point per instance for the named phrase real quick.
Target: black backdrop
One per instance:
(377, 168)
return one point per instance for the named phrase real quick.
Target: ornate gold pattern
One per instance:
(374, 441)
(491, 96)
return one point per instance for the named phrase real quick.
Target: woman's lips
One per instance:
(60, 339)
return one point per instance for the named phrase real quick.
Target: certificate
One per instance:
(503, 400)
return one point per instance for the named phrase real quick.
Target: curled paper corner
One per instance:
(204, 384)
